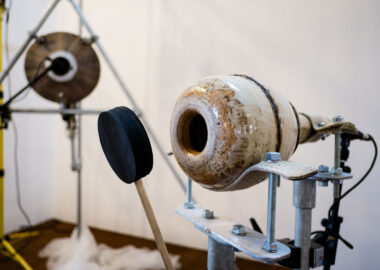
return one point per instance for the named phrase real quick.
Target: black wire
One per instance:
(34, 77)
(7, 56)
(18, 189)
(361, 179)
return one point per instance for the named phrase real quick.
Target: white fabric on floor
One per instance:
(84, 254)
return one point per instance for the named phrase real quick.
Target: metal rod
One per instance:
(76, 166)
(303, 230)
(337, 149)
(52, 111)
(304, 201)
(127, 93)
(269, 245)
(79, 173)
(32, 34)
(220, 256)
(189, 204)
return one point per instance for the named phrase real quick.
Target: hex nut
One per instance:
(208, 214)
(273, 156)
(270, 247)
(338, 118)
(323, 169)
(189, 205)
(239, 230)
(336, 171)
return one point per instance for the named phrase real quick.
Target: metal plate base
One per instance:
(220, 229)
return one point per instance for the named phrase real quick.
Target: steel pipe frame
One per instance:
(304, 194)
(79, 112)
(220, 256)
(127, 93)
(58, 111)
(123, 86)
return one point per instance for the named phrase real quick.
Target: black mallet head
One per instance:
(125, 144)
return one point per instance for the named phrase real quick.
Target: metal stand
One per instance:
(32, 35)
(76, 166)
(274, 180)
(304, 201)
(226, 236)
(321, 249)
(94, 38)
(123, 86)
(76, 160)
(220, 256)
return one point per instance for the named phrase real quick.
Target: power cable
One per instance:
(361, 179)
(14, 126)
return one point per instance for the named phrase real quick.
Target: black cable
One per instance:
(33, 81)
(35, 76)
(361, 179)
(368, 171)
(17, 178)
(18, 189)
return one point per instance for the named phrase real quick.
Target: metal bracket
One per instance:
(220, 229)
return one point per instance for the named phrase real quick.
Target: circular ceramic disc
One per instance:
(84, 67)
(125, 144)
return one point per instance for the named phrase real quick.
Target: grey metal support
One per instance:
(79, 186)
(79, 171)
(304, 201)
(76, 166)
(337, 170)
(220, 256)
(79, 174)
(274, 180)
(189, 204)
(52, 111)
(31, 36)
(127, 93)
(269, 244)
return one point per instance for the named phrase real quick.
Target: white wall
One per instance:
(36, 149)
(323, 56)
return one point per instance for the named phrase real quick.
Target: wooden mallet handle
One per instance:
(153, 225)
(127, 148)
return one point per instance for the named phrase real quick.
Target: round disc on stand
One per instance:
(75, 77)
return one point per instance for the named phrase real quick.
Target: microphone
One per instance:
(60, 66)
(222, 125)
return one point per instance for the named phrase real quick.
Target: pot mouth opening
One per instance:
(192, 132)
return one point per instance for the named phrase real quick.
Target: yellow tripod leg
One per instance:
(23, 235)
(12, 253)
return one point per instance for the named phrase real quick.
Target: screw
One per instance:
(208, 214)
(273, 156)
(239, 230)
(338, 118)
(321, 124)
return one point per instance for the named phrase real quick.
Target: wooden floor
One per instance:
(190, 258)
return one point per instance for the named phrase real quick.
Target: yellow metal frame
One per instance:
(5, 247)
